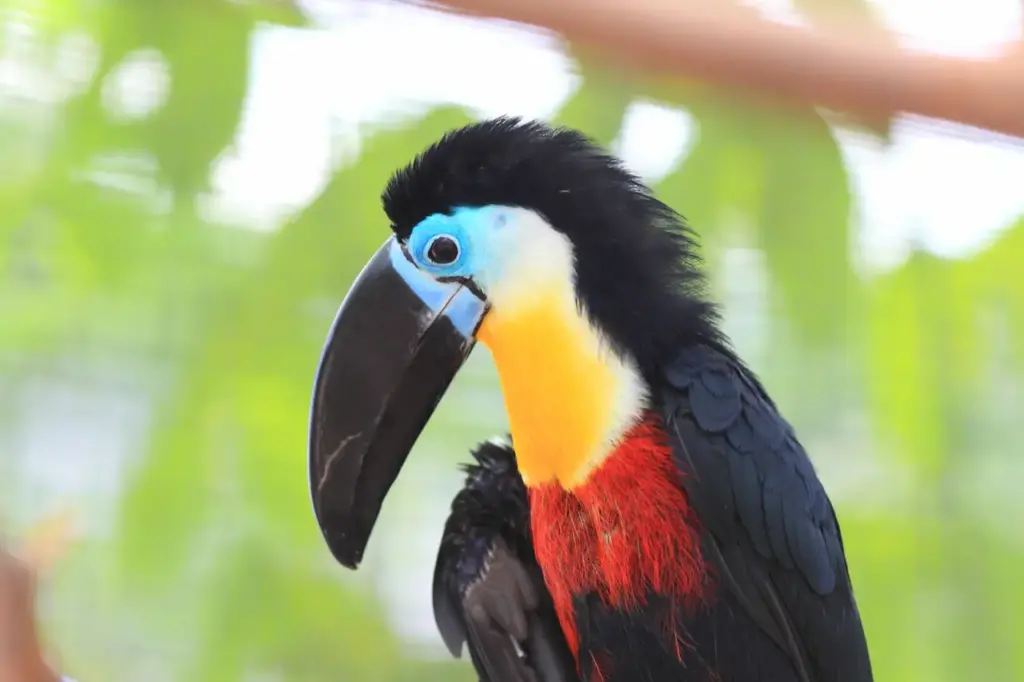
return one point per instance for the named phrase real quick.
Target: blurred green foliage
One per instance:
(212, 568)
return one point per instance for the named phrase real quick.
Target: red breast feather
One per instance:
(628, 531)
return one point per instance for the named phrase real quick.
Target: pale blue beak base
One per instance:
(448, 299)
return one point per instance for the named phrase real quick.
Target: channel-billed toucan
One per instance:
(657, 520)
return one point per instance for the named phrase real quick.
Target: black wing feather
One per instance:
(769, 525)
(488, 587)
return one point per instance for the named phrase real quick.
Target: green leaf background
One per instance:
(203, 562)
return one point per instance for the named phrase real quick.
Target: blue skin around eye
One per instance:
(470, 227)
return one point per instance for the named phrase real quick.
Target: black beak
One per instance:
(397, 342)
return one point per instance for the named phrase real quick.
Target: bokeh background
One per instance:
(188, 187)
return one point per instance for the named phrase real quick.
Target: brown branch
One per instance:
(832, 66)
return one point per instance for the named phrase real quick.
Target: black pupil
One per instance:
(443, 250)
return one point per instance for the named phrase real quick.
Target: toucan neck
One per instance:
(570, 396)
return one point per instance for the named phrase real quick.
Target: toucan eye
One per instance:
(443, 250)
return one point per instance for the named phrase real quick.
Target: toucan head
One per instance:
(542, 246)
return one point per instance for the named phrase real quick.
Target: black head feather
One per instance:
(637, 269)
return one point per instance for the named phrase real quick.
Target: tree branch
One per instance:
(837, 67)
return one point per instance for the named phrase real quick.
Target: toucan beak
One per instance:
(397, 342)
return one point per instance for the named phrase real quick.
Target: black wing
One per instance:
(769, 526)
(488, 588)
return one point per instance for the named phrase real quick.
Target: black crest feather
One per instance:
(637, 268)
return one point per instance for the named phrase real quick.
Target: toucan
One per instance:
(651, 516)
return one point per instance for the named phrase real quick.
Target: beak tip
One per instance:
(346, 553)
(346, 538)
(349, 560)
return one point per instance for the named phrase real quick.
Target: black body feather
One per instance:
(488, 588)
(783, 608)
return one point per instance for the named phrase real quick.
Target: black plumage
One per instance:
(488, 588)
(768, 525)
(783, 609)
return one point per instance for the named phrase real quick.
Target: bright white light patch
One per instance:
(653, 139)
